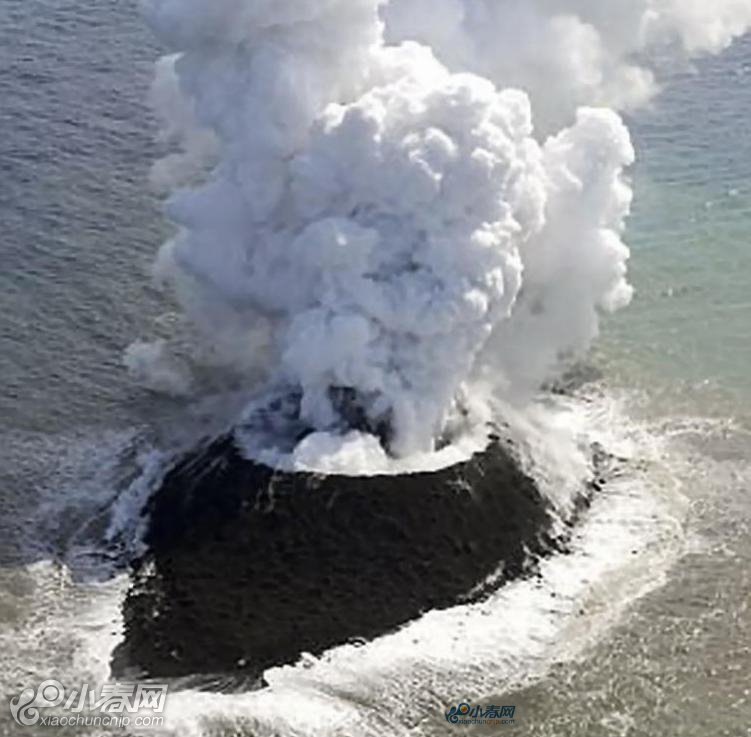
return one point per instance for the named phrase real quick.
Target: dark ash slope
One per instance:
(249, 567)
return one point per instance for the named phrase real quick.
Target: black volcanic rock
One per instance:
(248, 567)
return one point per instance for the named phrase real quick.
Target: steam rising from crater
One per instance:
(363, 201)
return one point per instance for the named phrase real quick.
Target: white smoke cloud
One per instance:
(575, 267)
(381, 209)
(197, 147)
(568, 53)
(156, 368)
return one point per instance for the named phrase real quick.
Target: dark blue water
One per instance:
(78, 232)
(79, 226)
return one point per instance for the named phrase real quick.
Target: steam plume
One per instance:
(377, 213)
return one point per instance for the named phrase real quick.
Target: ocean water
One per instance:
(680, 662)
(660, 644)
(686, 336)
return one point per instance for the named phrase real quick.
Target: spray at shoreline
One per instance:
(402, 202)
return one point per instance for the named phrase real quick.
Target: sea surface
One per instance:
(79, 228)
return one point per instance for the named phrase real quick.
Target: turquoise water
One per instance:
(79, 231)
(687, 336)
(679, 663)
(80, 227)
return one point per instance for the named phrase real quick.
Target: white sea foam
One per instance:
(387, 217)
(402, 683)
(61, 607)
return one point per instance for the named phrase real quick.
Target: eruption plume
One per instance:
(365, 208)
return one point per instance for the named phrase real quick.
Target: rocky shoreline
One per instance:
(247, 567)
